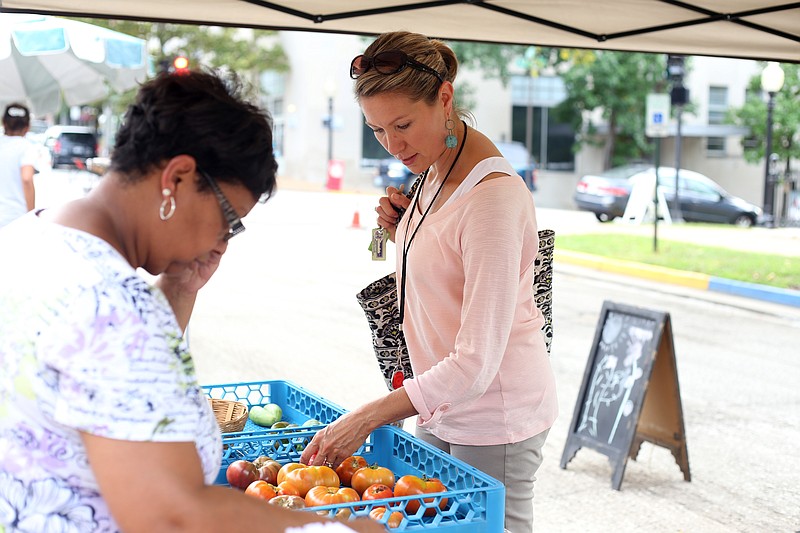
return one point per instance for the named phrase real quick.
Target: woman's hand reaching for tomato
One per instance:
(344, 437)
(389, 208)
(336, 442)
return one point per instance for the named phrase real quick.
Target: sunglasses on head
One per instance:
(390, 62)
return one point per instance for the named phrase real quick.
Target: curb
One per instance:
(679, 277)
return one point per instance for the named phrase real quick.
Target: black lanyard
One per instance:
(406, 240)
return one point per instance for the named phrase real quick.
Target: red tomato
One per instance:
(286, 488)
(288, 502)
(241, 473)
(394, 519)
(348, 467)
(322, 495)
(312, 476)
(378, 491)
(261, 489)
(285, 469)
(268, 469)
(413, 485)
(369, 475)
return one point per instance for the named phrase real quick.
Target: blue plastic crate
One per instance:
(475, 501)
(298, 404)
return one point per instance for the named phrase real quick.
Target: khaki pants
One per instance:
(514, 465)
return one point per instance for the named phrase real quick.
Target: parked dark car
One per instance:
(701, 198)
(392, 173)
(68, 143)
(520, 159)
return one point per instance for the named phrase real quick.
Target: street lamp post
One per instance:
(330, 128)
(771, 82)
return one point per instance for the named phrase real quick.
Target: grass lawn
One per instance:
(774, 270)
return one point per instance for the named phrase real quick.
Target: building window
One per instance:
(717, 111)
(548, 136)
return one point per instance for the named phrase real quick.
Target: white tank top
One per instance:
(478, 172)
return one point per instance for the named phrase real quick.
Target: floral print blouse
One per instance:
(86, 345)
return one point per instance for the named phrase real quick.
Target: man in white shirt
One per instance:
(17, 161)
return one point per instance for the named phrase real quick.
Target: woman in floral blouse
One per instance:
(103, 426)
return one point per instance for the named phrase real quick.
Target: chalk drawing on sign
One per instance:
(637, 339)
(613, 380)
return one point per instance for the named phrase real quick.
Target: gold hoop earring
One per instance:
(168, 198)
(450, 141)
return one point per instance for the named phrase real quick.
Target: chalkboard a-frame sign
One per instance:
(630, 391)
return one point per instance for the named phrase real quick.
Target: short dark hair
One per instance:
(16, 118)
(202, 114)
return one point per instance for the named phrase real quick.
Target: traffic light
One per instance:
(180, 65)
(679, 95)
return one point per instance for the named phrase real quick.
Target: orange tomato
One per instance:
(285, 469)
(348, 467)
(370, 475)
(413, 485)
(393, 521)
(287, 489)
(322, 495)
(312, 476)
(261, 489)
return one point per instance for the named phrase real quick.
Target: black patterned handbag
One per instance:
(379, 302)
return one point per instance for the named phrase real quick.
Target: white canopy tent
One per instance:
(752, 29)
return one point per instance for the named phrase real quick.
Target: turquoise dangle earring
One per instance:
(450, 141)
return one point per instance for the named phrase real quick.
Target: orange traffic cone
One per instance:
(356, 222)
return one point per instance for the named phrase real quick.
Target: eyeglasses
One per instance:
(235, 226)
(390, 62)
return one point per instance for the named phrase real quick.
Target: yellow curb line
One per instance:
(655, 273)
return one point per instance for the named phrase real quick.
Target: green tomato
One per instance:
(312, 422)
(267, 415)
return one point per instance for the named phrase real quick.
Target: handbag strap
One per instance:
(412, 191)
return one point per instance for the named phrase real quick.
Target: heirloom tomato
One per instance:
(288, 502)
(378, 491)
(268, 469)
(348, 467)
(394, 519)
(285, 469)
(322, 495)
(369, 475)
(286, 488)
(261, 489)
(241, 473)
(414, 485)
(312, 476)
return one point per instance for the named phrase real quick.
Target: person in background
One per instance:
(483, 389)
(17, 165)
(103, 425)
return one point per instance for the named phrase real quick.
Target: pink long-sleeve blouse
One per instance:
(482, 372)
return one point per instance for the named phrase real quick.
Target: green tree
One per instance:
(616, 84)
(785, 123)
(491, 59)
(247, 52)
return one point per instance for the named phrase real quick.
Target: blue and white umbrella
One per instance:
(43, 58)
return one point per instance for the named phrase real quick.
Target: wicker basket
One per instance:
(231, 415)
